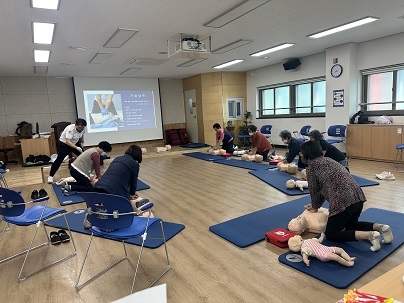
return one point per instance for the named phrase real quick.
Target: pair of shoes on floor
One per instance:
(385, 176)
(59, 237)
(38, 194)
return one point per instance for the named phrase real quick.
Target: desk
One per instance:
(36, 147)
(390, 284)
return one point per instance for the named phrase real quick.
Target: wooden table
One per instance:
(36, 147)
(390, 284)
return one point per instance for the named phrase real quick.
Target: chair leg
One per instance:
(399, 160)
(80, 286)
(73, 253)
(140, 254)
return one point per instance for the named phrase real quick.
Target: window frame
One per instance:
(365, 86)
(292, 100)
(235, 116)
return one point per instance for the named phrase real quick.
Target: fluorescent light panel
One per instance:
(43, 32)
(120, 37)
(192, 62)
(272, 49)
(46, 4)
(235, 12)
(343, 27)
(100, 58)
(228, 63)
(230, 46)
(130, 71)
(40, 69)
(41, 55)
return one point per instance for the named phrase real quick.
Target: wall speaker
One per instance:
(291, 64)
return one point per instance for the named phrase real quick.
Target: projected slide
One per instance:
(116, 110)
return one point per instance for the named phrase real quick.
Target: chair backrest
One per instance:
(266, 129)
(12, 203)
(58, 129)
(336, 131)
(305, 130)
(108, 204)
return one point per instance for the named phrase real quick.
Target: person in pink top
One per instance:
(224, 138)
(259, 144)
(314, 248)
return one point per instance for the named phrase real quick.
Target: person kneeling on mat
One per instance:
(81, 168)
(259, 144)
(224, 138)
(328, 180)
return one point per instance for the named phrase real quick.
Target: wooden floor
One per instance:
(205, 268)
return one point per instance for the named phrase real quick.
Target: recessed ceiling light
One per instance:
(343, 27)
(43, 32)
(272, 49)
(163, 53)
(132, 60)
(80, 48)
(120, 37)
(41, 55)
(228, 63)
(235, 12)
(191, 62)
(130, 71)
(230, 46)
(100, 58)
(67, 63)
(46, 4)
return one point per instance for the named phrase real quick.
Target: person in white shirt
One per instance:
(70, 141)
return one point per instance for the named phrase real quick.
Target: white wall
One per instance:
(172, 101)
(353, 57)
(312, 66)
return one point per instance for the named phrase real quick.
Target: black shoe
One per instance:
(55, 238)
(34, 195)
(64, 237)
(42, 193)
(142, 202)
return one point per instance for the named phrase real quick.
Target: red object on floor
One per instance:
(275, 161)
(279, 237)
(227, 155)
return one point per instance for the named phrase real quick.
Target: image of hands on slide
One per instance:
(119, 110)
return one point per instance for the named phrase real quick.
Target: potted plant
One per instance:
(247, 117)
(230, 125)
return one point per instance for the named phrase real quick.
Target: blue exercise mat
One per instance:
(73, 197)
(194, 145)
(245, 164)
(340, 276)
(250, 229)
(362, 182)
(76, 218)
(278, 180)
(203, 156)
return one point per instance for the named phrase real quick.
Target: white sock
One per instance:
(387, 234)
(374, 238)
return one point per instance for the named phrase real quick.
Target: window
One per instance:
(301, 98)
(235, 108)
(383, 90)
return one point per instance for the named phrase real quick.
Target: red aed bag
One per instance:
(279, 237)
(227, 155)
(275, 162)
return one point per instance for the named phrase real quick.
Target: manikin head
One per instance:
(298, 225)
(290, 184)
(295, 243)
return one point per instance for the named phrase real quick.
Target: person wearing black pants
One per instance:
(82, 167)
(70, 141)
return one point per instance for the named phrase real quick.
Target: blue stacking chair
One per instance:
(399, 156)
(336, 131)
(304, 133)
(244, 138)
(14, 212)
(266, 130)
(112, 217)
(2, 177)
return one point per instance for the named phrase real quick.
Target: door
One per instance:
(191, 114)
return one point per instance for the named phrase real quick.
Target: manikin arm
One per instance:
(306, 259)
